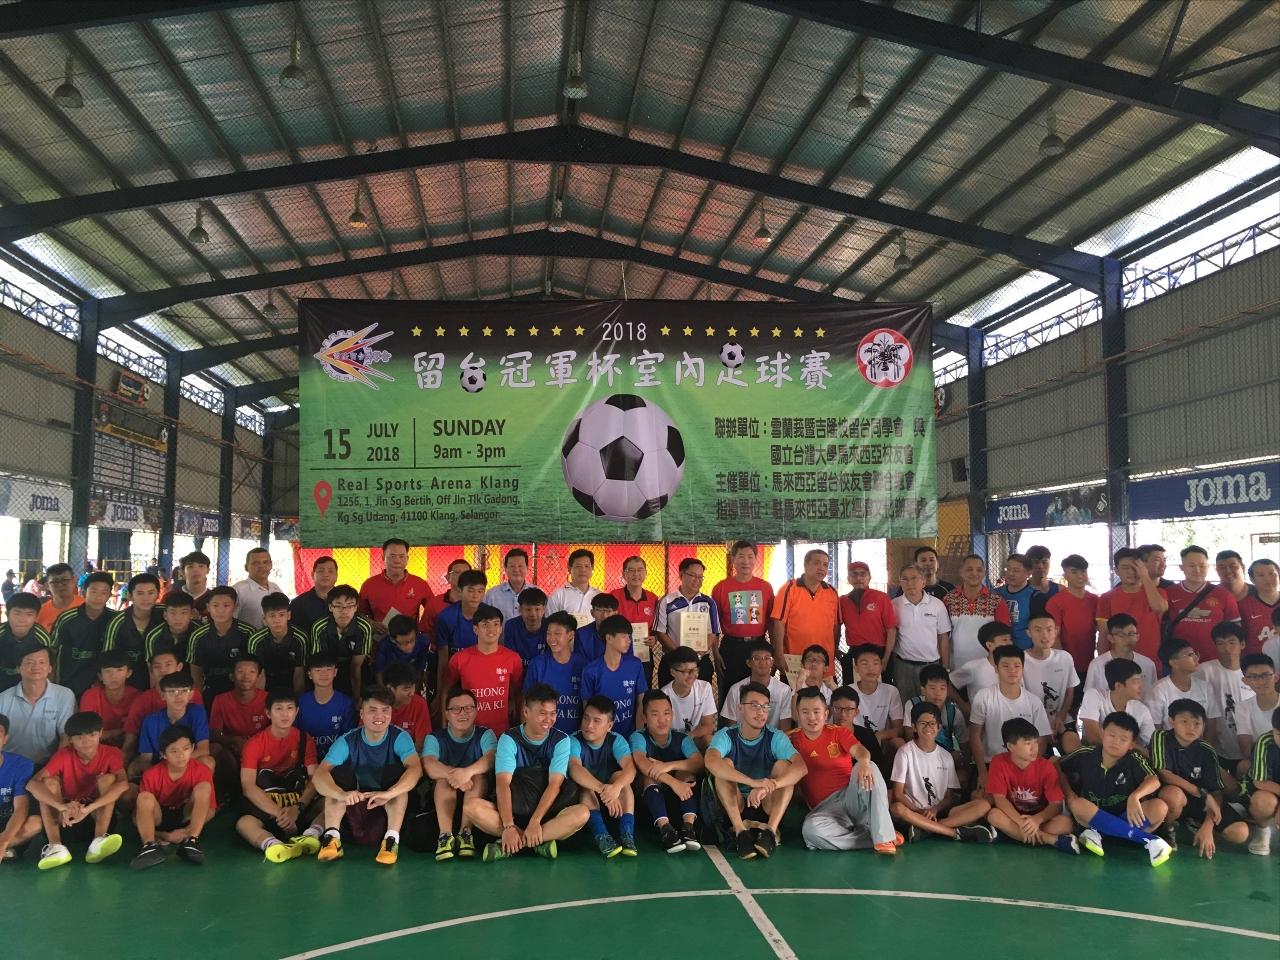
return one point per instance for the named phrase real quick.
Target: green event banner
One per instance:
(599, 421)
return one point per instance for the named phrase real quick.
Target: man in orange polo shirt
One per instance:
(64, 596)
(395, 588)
(807, 611)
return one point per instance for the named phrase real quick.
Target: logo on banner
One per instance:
(348, 356)
(884, 357)
(1226, 490)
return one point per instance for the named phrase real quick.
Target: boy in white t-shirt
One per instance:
(1231, 696)
(924, 787)
(1260, 674)
(1183, 681)
(693, 702)
(760, 662)
(813, 673)
(1122, 634)
(880, 703)
(1050, 674)
(979, 674)
(1125, 678)
(994, 705)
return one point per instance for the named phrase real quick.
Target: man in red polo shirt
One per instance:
(743, 601)
(868, 615)
(1205, 604)
(635, 603)
(1139, 597)
(394, 589)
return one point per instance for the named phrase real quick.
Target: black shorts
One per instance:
(173, 818)
(527, 786)
(268, 821)
(1193, 814)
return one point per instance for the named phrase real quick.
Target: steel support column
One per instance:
(1115, 379)
(226, 465)
(978, 480)
(267, 479)
(169, 495)
(83, 432)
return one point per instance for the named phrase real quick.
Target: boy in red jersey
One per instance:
(275, 782)
(112, 696)
(410, 712)
(78, 789)
(1026, 797)
(489, 670)
(176, 801)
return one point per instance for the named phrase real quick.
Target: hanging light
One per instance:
(357, 218)
(391, 290)
(198, 234)
(860, 103)
(1052, 145)
(903, 260)
(575, 88)
(293, 77)
(763, 236)
(557, 223)
(67, 94)
(269, 309)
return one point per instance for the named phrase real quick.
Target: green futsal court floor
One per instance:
(936, 898)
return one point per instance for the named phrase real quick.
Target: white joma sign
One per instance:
(1227, 489)
(1017, 511)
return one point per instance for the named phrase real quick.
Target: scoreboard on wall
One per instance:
(448, 422)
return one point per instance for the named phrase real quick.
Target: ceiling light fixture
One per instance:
(269, 309)
(557, 223)
(860, 103)
(903, 260)
(67, 95)
(198, 234)
(357, 218)
(575, 88)
(1052, 145)
(763, 236)
(293, 77)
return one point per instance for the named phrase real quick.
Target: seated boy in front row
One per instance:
(277, 795)
(458, 759)
(1192, 781)
(1263, 786)
(756, 770)
(925, 786)
(669, 765)
(1110, 790)
(1025, 794)
(78, 790)
(18, 823)
(600, 764)
(176, 800)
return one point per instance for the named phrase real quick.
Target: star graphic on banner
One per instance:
(487, 331)
(533, 331)
(819, 333)
(732, 331)
(555, 331)
(754, 331)
(711, 331)
(776, 332)
(464, 332)
(578, 331)
(665, 330)
(416, 331)
(688, 331)
(798, 332)
(511, 331)
(439, 331)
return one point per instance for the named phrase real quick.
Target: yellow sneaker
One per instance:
(330, 848)
(280, 852)
(309, 846)
(389, 852)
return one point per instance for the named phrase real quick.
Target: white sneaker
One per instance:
(11, 854)
(1159, 851)
(53, 855)
(1091, 840)
(1261, 842)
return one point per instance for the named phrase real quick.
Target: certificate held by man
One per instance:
(694, 628)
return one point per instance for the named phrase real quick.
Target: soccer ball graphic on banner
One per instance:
(732, 354)
(472, 379)
(623, 458)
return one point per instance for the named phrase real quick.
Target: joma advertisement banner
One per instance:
(587, 422)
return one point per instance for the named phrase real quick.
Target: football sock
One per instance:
(627, 823)
(333, 832)
(690, 807)
(315, 830)
(269, 842)
(654, 802)
(596, 823)
(1109, 825)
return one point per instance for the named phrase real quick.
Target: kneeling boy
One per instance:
(176, 800)
(600, 764)
(1026, 798)
(669, 765)
(458, 760)
(277, 796)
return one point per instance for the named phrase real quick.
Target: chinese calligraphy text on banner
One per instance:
(599, 421)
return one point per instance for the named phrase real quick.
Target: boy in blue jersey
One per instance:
(669, 765)
(589, 640)
(560, 667)
(618, 675)
(365, 780)
(756, 770)
(600, 763)
(175, 690)
(536, 804)
(526, 633)
(1018, 594)
(18, 824)
(458, 760)
(402, 644)
(325, 713)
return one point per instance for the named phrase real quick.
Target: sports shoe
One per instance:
(11, 854)
(1067, 844)
(388, 852)
(976, 833)
(102, 847)
(890, 847)
(628, 841)
(466, 845)
(1158, 850)
(547, 849)
(1260, 845)
(1091, 840)
(670, 840)
(765, 841)
(607, 846)
(53, 855)
(444, 848)
(745, 845)
(492, 852)
(149, 856)
(330, 847)
(189, 850)
(689, 834)
(913, 835)
(282, 852)
(308, 846)
(1169, 834)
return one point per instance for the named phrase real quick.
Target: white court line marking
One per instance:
(769, 891)
(781, 949)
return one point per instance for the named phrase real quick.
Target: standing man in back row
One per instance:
(926, 558)
(744, 602)
(251, 590)
(806, 612)
(395, 589)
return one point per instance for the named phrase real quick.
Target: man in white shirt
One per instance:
(1183, 681)
(924, 631)
(251, 590)
(1125, 678)
(760, 660)
(693, 704)
(575, 596)
(1049, 673)
(1122, 635)
(994, 705)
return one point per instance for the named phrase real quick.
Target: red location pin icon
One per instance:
(322, 494)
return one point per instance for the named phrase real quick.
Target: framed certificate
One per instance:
(641, 650)
(694, 628)
(791, 663)
(639, 632)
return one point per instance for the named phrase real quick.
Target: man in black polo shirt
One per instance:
(307, 609)
(127, 631)
(280, 646)
(173, 633)
(345, 635)
(217, 643)
(78, 635)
